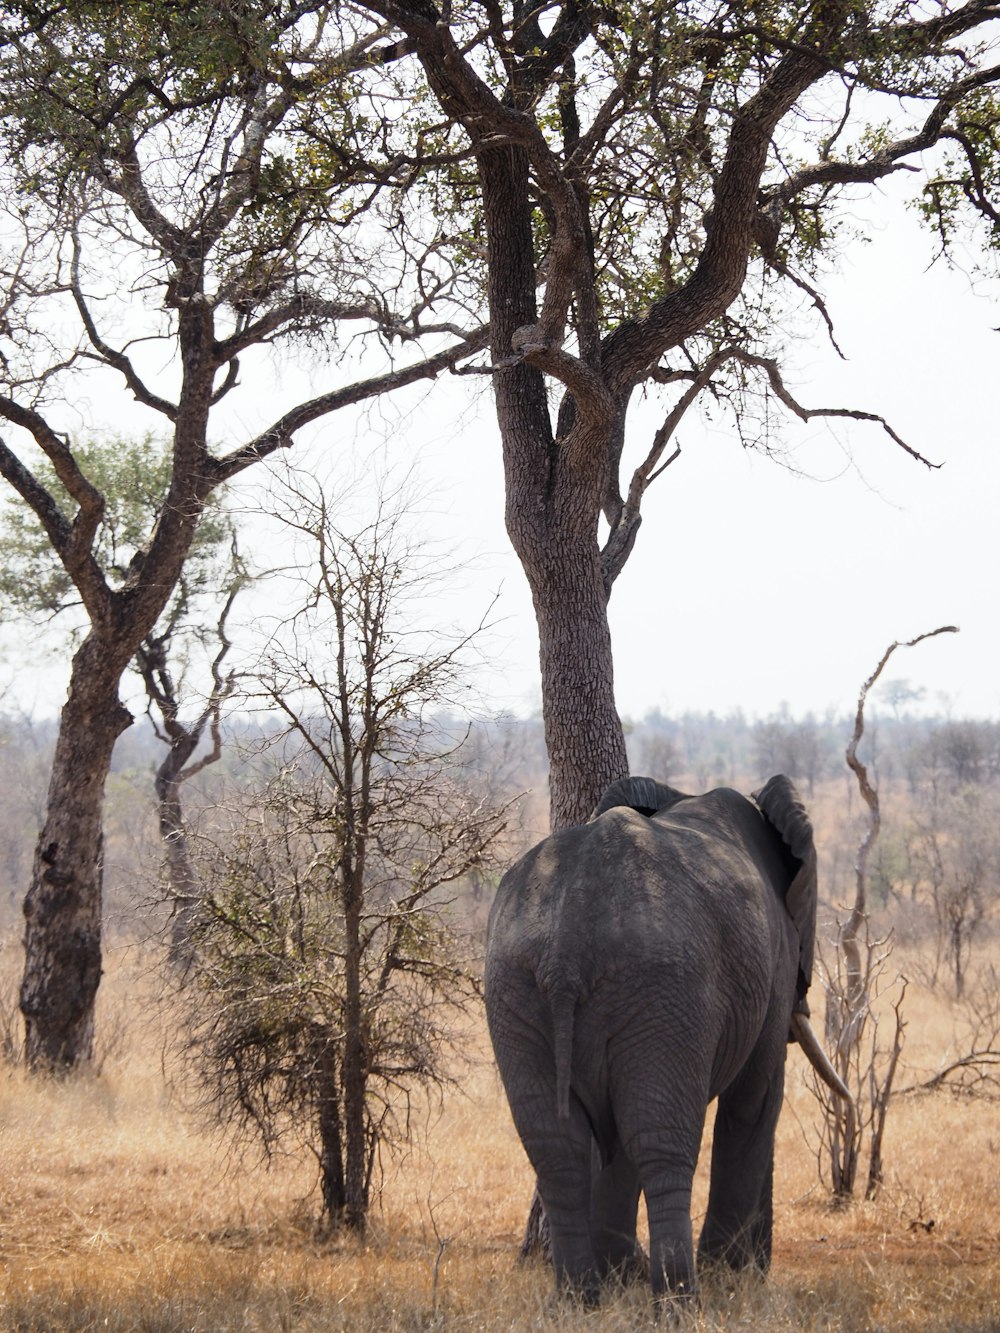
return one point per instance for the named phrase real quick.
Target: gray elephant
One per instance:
(638, 966)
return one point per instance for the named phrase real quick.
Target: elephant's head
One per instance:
(645, 795)
(779, 803)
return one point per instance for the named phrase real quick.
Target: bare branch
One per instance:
(280, 434)
(290, 314)
(323, 898)
(111, 356)
(624, 516)
(819, 304)
(869, 793)
(982, 1063)
(773, 372)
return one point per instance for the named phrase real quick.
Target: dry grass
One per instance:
(118, 1213)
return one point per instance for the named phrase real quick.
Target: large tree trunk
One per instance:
(583, 732)
(554, 490)
(62, 908)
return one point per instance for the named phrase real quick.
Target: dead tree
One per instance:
(183, 738)
(854, 983)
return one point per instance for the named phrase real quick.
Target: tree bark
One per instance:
(554, 490)
(331, 1160)
(355, 1071)
(182, 877)
(62, 908)
(583, 732)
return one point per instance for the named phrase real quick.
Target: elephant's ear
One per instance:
(782, 807)
(643, 794)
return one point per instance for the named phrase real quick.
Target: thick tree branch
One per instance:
(888, 159)
(976, 193)
(230, 382)
(129, 185)
(634, 347)
(947, 25)
(34, 494)
(86, 495)
(488, 120)
(72, 540)
(586, 385)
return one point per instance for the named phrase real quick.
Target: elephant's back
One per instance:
(685, 878)
(629, 891)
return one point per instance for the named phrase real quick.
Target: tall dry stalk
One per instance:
(855, 981)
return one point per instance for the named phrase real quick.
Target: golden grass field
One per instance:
(118, 1212)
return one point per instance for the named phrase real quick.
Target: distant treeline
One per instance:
(713, 750)
(693, 750)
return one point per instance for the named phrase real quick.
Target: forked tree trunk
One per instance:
(553, 503)
(62, 966)
(62, 908)
(182, 878)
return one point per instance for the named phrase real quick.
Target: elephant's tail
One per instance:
(563, 1005)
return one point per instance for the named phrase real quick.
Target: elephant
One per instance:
(639, 966)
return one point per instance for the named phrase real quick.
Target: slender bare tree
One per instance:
(853, 985)
(325, 972)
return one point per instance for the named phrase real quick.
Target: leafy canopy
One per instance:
(133, 475)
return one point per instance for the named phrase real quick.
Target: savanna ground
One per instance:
(118, 1211)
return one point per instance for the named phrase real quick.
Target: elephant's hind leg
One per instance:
(558, 1149)
(614, 1206)
(671, 1249)
(560, 1155)
(665, 1152)
(659, 1088)
(737, 1228)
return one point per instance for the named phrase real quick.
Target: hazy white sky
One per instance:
(788, 588)
(751, 585)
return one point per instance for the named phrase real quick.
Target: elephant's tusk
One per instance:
(803, 1033)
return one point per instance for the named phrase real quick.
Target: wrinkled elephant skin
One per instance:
(637, 967)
